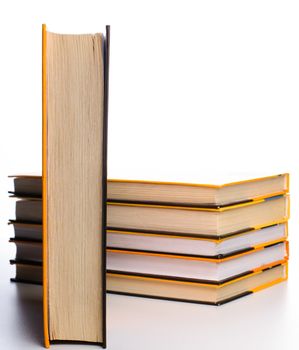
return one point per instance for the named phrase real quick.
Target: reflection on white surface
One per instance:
(252, 322)
(28, 311)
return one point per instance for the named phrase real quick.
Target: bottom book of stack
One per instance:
(175, 289)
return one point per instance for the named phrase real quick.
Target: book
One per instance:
(27, 185)
(75, 108)
(195, 267)
(202, 222)
(28, 251)
(175, 289)
(29, 210)
(27, 231)
(209, 195)
(193, 291)
(28, 272)
(194, 244)
(198, 221)
(169, 243)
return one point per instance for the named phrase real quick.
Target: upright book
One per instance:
(75, 108)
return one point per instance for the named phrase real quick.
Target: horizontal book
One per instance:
(210, 195)
(169, 243)
(175, 289)
(194, 267)
(179, 220)
(28, 272)
(195, 245)
(27, 231)
(31, 250)
(194, 292)
(27, 186)
(171, 192)
(28, 251)
(29, 210)
(197, 221)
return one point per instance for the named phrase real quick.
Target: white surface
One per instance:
(196, 86)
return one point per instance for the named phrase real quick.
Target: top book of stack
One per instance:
(197, 195)
(175, 193)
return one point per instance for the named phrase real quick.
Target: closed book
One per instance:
(169, 243)
(196, 194)
(197, 220)
(27, 231)
(196, 291)
(203, 222)
(202, 268)
(175, 289)
(196, 244)
(193, 194)
(74, 174)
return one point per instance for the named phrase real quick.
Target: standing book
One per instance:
(75, 108)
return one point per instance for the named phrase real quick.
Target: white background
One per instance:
(196, 87)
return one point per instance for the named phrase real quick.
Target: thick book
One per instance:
(194, 244)
(169, 243)
(27, 250)
(31, 251)
(27, 272)
(175, 289)
(196, 291)
(209, 195)
(27, 231)
(195, 267)
(75, 108)
(27, 185)
(204, 222)
(194, 194)
(197, 220)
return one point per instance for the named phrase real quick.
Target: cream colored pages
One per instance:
(75, 86)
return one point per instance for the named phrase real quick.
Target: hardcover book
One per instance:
(201, 222)
(175, 289)
(194, 194)
(197, 220)
(203, 268)
(75, 97)
(195, 291)
(209, 195)
(169, 243)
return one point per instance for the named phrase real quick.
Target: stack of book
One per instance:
(197, 243)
